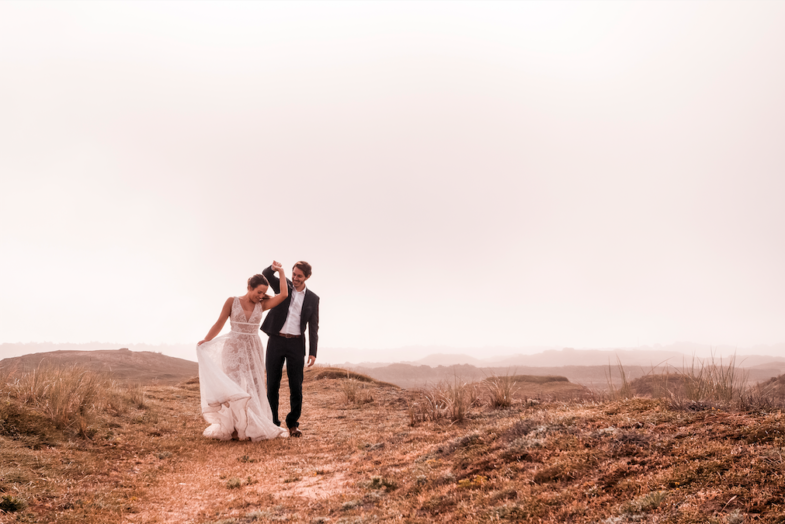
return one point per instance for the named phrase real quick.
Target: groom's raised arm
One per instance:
(273, 279)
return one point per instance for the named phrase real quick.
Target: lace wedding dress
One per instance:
(232, 384)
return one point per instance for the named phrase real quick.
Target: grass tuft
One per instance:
(234, 483)
(500, 390)
(625, 390)
(136, 396)
(443, 400)
(355, 391)
(379, 482)
(11, 504)
(351, 504)
(644, 504)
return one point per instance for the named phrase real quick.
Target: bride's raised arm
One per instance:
(219, 324)
(270, 303)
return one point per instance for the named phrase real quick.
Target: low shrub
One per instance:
(11, 504)
(382, 483)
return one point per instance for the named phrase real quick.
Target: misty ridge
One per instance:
(592, 368)
(435, 356)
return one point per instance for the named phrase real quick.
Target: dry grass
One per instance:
(704, 384)
(500, 390)
(610, 461)
(65, 395)
(135, 394)
(356, 391)
(712, 381)
(620, 392)
(426, 404)
(444, 400)
(460, 397)
(77, 448)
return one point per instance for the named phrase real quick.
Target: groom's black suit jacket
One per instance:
(276, 318)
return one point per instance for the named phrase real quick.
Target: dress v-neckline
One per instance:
(246, 317)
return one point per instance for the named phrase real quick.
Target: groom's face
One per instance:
(298, 277)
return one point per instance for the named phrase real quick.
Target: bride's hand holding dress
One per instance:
(231, 368)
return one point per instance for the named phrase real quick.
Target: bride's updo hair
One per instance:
(257, 280)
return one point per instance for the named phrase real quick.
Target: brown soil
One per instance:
(634, 460)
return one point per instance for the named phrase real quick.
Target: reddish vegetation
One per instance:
(636, 460)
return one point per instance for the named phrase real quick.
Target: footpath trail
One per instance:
(281, 479)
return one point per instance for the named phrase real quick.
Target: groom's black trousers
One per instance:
(292, 351)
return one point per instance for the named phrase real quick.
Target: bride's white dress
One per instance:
(232, 384)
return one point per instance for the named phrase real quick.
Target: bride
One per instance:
(231, 367)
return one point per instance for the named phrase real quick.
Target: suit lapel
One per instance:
(305, 312)
(306, 303)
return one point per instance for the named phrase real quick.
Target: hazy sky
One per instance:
(577, 174)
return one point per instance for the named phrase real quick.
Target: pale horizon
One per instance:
(342, 355)
(461, 175)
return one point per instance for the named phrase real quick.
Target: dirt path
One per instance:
(282, 478)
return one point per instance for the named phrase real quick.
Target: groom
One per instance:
(285, 325)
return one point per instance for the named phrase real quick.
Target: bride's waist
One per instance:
(244, 328)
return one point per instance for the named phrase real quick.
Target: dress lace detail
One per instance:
(231, 381)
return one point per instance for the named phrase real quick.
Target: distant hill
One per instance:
(628, 357)
(17, 349)
(441, 359)
(413, 376)
(646, 358)
(123, 365)
(532, 384)
(675, 354)
(593, 357)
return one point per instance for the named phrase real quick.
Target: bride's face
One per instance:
(257, 294)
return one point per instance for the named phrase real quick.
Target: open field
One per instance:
(141, 458)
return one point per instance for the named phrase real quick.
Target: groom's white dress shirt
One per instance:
(292, 324)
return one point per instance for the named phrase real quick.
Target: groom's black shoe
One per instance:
(295, 432)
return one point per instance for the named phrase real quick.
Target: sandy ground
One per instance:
(285, 472)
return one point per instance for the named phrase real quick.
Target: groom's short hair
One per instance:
(303, 266)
